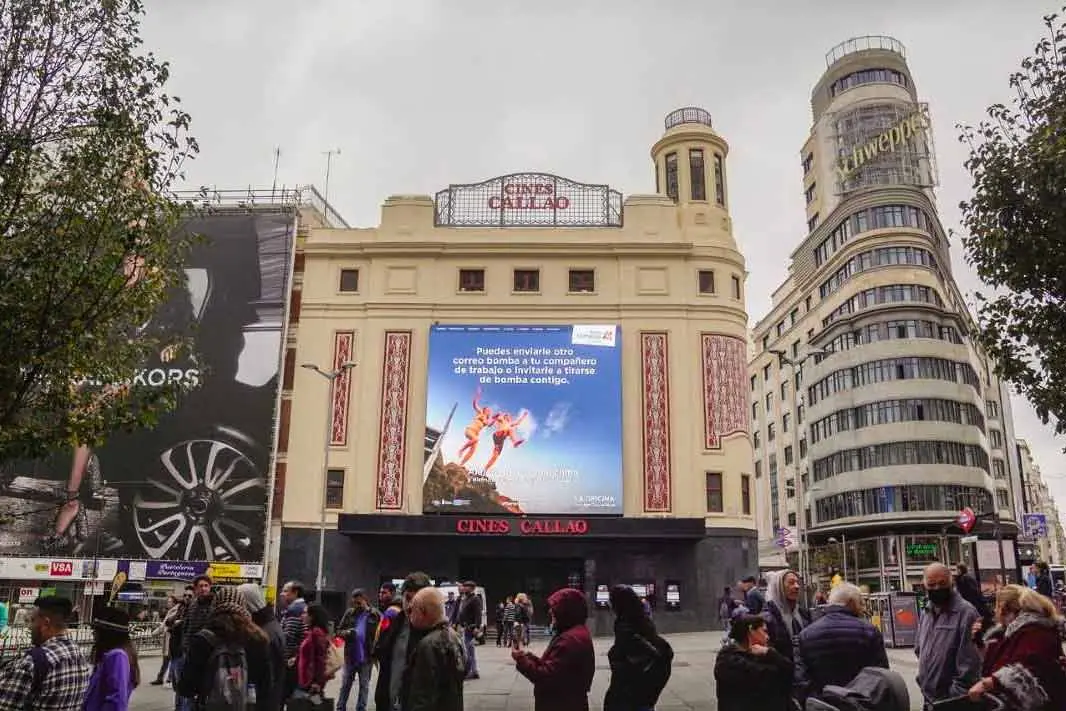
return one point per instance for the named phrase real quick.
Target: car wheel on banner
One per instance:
(206, 500)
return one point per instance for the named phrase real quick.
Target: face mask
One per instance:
(939, 596)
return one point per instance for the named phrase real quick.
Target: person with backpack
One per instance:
(640, 659)
(311, 660)
(116, 672)
(217, 674)
(269, 695)
(54, 674)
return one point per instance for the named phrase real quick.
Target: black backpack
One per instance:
(225, 683)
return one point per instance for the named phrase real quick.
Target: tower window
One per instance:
(736, 286)
(695, 169)
(706, 281)
(719, 180)
(471, 280)
(527, 280)
(671, 176)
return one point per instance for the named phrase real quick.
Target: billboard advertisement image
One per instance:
(524, 420)
(195, 487)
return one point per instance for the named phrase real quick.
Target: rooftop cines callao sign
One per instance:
(900, 134)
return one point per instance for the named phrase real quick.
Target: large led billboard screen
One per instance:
(195, 487)
(524, 420)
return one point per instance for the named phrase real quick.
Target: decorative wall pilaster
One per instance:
(655, 375)
(725, 392)
(343, 344)
(392, 441)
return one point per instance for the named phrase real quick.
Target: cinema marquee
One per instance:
(528, 200)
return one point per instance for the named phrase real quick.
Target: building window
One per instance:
(765, 342)
(793, 315)
(715, 502)
(766, 373)
(785, 422)
(736, 287)
(719, 180)
(992, 408)
(788, 455)
(995, 437)
(799, 414)
(527, 280)
(1002, 499)
(791, 518)
(790, 488)
(671, 176)
(999, 469)
(795, 349)
(808, 194)
(335, 489)
(582, 281)
(696, 174)
(769, 403)
(807, 303)
(758, 468)
(812, 222)
(471, 280)
(770, 434)
(745, 494)
(754, 410)
(780, 329)
(807, 162)
(754, 379)
(706, 281)
(349, 280)
(784, 391)
(803, 448)
(755, 443)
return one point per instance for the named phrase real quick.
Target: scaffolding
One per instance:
(876, 145)
(283, 198)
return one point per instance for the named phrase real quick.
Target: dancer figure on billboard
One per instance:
(505, 429)
(483, 416)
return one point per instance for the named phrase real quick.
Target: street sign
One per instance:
(967, 518)
(1034, 525)
(968, 539)
(784, 537)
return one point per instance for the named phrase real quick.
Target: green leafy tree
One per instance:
(1015, 227)
(90, 145)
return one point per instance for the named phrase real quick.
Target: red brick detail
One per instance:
(395, 376)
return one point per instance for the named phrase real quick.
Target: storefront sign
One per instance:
(61, 569)
(528, 200)
(522, 527)
(28, 595)
(221, 571)
(174, 570)
(887, 142)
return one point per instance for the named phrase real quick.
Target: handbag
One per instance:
(334, 657)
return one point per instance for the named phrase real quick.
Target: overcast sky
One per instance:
(420, 93)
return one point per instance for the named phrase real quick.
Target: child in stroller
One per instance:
(874, 689)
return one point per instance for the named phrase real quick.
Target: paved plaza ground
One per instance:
(500, 688)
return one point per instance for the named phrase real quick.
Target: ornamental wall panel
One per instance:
(343, 345)
(395, 383)
(655, 374)
(725, 395)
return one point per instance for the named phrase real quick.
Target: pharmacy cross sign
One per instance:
(528, 200)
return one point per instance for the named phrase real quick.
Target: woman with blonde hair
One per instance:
(523, 616)
(1023, 661)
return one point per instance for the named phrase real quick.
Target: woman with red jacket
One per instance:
(1023, 660)
(562, 676)
(314, 650)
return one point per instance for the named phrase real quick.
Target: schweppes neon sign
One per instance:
(902, 133)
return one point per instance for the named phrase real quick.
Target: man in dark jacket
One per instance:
(970, 590)
(292, 624)
(433, 676)
(753, 599)
(1044, 586)
(469, 620)
(562, 676)
(394, 639)
(785, 616)
(357, 628)
(838, 645)
(195, 618)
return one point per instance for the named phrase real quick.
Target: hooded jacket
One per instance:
(780, 615)
(562, 676)
(1026, 661)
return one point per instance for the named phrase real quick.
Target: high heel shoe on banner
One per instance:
(75, 532)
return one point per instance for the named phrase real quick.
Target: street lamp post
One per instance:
(331, 376)
(843, 551)
(801, 506)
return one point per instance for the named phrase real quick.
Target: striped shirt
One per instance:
(61, 684)
(508, 612)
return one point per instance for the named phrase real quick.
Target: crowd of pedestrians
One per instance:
(224, 648)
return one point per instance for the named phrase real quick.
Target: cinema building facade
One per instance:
(529, 381)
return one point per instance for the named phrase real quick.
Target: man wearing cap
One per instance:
(469, 621)
(357, 628)
(391, 649)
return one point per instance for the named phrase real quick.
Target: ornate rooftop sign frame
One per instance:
(528, 200)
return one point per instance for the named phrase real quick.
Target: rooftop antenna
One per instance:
(277, 161)
(329, 164)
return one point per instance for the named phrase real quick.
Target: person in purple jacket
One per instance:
(116, 672)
